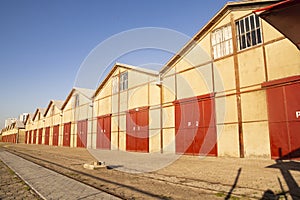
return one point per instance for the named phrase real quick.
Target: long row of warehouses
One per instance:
(233, 90)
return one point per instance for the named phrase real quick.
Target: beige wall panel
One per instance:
(194, 82)
(114, 141)
(169, 72)
(226, 109)
(73, 138)
(122, 142)
(69, 104)
(224, 21)
(256, 139)
(114, 103)
(122, 123)
(68, 116)
(241, 13)
(136, 78)
(228, 140)
(138, 97)
(224, 75)
(195, 57)
(254, 106)
(154, 119)
(154, 94)
(169, 140)
(123, 101)
(106, 90)
(104, 106)
(269, 32)
(283, 59)
(206, 44)
(168, 89)
(154, 141)
(251, 71)
(183, 64)
(114, 123)
(84, 112)
(168, 117)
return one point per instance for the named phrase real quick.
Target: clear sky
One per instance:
(44, 42)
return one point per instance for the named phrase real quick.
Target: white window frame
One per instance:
(221, 40)
(115, 84)
(248, 32)
(123, 81)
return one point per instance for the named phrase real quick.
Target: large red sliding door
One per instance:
(55, 135)
(195, 126)
(47, 135)
(103, 132)
(82, 133)
(40, 136)
(34, 136)
(137, 130)
(26, 137)
(67, 134)
(283, 98)
(29, 137)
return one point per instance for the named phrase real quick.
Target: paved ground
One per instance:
(12, 187)
(49, 184)
(187, 177)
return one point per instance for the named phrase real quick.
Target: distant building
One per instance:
(23, 117)
(9, 121)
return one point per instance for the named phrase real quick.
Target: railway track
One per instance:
(116, 189)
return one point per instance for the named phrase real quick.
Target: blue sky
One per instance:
(43, 42)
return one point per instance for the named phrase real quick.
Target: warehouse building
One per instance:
(127, 110)
(76, 117)
(14, 132)
(52, 122)
(232, 90)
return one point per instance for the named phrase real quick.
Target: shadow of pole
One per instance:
(234, 184)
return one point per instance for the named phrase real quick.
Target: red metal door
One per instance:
(55, 135)
(47, 135)
(67, 134)
(137, 130)
(34, 136)
(82, 133)
(40, 136)
(195, 126)
(26, 137)
(103, 132)
(29, 139)
(284, 123)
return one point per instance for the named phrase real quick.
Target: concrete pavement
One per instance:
(49, 184)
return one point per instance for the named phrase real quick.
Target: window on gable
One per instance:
(222, 41)
(115, 85)
(124, 81)
(248, 31)
(76, 103)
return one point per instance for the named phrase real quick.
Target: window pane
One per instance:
(253, 35)
(248, 40)
(243, 42)
(252, 22)
(257, 21)
(242, 26)
(247, 24)
(258, 36)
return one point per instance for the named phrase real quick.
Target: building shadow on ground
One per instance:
(286, 164)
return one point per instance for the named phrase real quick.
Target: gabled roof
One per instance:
(29, 116)
(88, 93)
(41, 110)
(253, 4)
(126, 66)
(284, 16)
(56, 103)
